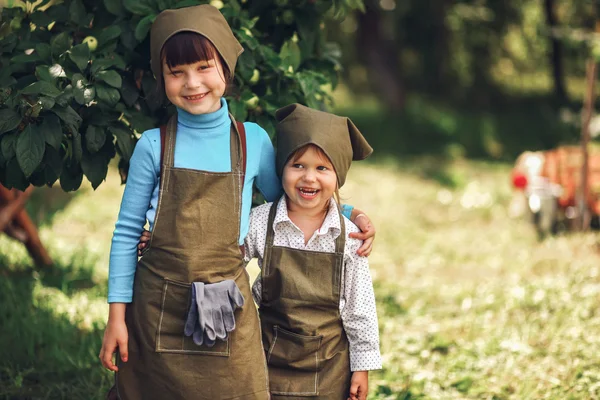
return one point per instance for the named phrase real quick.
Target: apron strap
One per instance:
(167, 149)
(340, 241)
(269, 244)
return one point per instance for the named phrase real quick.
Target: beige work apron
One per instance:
(195, 239)
(303, 336)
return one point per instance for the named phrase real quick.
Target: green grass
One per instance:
(471, 305)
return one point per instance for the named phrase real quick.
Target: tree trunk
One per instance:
(380, 54)
(18, 225)
(556, 53)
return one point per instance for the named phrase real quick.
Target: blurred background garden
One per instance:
(472, 302)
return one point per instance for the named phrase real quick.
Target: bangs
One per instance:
(302, 150)
(189, 48)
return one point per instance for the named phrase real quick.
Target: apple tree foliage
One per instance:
(76, 87)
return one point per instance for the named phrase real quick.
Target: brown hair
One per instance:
(188, 48)
(302, 150)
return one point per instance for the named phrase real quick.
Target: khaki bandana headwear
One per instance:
(337, 136)
(203, 19)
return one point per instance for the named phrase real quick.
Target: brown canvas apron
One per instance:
(195, 239)
(303, 336)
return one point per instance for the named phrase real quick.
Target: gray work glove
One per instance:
(220, 301)
(194, 324)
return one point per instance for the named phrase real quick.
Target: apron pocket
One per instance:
(171, 323)
(294, 363)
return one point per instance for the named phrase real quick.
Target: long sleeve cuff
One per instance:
(365, 360)
(120, 299)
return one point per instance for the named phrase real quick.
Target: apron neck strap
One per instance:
(340, 241)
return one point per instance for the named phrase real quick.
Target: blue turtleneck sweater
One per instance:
(203, 144)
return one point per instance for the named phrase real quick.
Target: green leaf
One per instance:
(77, 147)
(246, 65)
(61, 43)
(143, 27)
(24, 58)
(111, 77)
(30, 149)
(42, 72)
(44, 51)
(69, 116)
(238, 109)
(80, 55)
(246, 37)
(139, 7)
(42, 87)
(57, 71)
(271, 57)
(6, 79)
(125, 141)
(101, 64)
(129, 92)
(140, 122)
(95, 168)
(77, 12)
(71, 177)
(46, 102)
(108, 34)
(40, 18)
(52, 165)
(114, 7)
(52, 130)
(82, 92)
(290, 55)
(94, 139)
(8, 145)
(9, 120)
(14, 176)
(108, 95)
(65, 98)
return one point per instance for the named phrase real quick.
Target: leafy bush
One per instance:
(76, 87)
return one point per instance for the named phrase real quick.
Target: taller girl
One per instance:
(198, 214)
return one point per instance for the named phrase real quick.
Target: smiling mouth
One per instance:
(306, 192)
(195, 97)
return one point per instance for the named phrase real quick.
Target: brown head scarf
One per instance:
(203, 19)
(337, 136)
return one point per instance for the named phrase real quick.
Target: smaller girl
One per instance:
(315, 294)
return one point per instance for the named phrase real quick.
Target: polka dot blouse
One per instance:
(357, 302)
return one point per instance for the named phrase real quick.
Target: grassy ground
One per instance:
(471, 305)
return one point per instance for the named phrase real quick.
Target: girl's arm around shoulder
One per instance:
(255, 243)
(141, 181)
(359, 313)
(260, 144)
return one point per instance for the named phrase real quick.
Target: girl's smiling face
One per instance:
(309, 180)
(197, 87)
(194, 74)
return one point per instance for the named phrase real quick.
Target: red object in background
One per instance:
(519, 181)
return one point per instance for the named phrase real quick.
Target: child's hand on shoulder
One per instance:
(366, 234)
(359, 385)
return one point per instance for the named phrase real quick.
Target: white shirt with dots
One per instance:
(357, 300)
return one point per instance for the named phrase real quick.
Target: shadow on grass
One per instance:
(44, 355)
